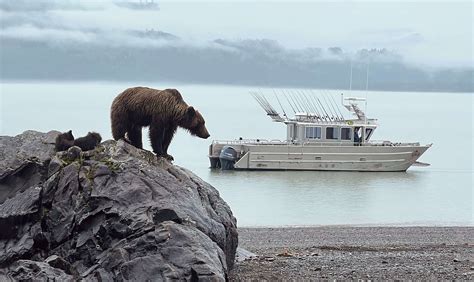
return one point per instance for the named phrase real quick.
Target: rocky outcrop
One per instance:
(114, 213)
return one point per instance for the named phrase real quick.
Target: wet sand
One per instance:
(366, 253)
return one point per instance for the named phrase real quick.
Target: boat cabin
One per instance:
(323, 124)
(340, 132)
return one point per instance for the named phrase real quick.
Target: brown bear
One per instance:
(88, 142)
(64, 141)
(162, 110)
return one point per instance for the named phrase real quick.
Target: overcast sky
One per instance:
(423, 32)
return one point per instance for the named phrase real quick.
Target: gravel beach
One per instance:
(367, 253)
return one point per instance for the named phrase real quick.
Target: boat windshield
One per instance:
(368, 132)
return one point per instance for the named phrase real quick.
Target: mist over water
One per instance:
(437, 195)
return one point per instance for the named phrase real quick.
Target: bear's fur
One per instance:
(162, 110)
(88, 142)
(64, 141)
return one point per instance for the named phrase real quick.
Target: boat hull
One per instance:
(327, 158)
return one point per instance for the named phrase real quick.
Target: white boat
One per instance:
(318, 138)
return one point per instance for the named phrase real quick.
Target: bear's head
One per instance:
(64, 141)
(68, 135)
(95, 136)
(195, 123)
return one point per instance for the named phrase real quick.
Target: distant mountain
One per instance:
(159, 56)
(138, 5)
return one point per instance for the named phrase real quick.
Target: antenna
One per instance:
(338, 108)
(366, 90)
(350, 80)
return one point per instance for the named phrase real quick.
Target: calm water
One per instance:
(441, 194)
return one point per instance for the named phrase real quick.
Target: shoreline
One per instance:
(408, 225)
(356, 252)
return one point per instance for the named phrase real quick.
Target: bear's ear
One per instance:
(190, 112)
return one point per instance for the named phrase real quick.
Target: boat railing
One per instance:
(393, 144)
(249, 141)
(279, 142)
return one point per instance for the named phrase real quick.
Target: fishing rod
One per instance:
(312, 96)
(338, 118)
(315, 111)
(329, 108)
(314, 103)
(265, 104)
(259, 101)
(288, 100)
(324, 110)
(305, 104)
(298, 106)
(281, 106)
(292, 102)
(273, 111)
(338, 108)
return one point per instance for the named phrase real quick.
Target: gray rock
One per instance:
(243, 254)
(58, 262)
(27, 270)
(114, 213)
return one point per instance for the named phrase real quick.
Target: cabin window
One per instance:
(313, 132)
(332, 133)
(368, 132)
(346, 133)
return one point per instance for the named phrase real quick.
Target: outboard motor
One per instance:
(215, 163)
(228, 157)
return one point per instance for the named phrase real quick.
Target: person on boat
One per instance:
(357, 139)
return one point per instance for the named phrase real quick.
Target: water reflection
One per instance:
(315, 197)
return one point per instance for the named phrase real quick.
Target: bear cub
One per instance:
(88, 142)
(66, 140)
(163, 111)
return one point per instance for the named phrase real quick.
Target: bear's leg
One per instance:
(119, 121)
(118, 131)
(170, 130)
(134, 134)
(156, 138)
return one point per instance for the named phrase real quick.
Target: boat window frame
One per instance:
(336, 129)
(292, 132)
(368, 133)
(315, 131)
(350, 135)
